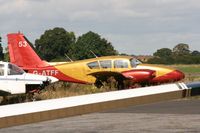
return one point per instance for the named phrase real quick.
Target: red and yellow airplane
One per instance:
(89, 71)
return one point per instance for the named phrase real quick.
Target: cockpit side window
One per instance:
(14, 70)
(1, 70)
(106, 64)
(93, 65)
(134, 62)
(120, 64)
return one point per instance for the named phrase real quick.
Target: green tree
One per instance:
(158, 60)
(91, 42)
(195, 53)
(180, 55)
(6, 55)
(54, 44)
(1, 51)
(162, 56)
(163, 52)
(181, 49)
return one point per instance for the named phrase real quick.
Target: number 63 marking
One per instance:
(22, 44)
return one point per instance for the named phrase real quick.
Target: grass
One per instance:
(63, 89)
(188, 68)
(57, 90)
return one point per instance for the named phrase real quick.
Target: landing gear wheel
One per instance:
(98, 83)
(120, 85)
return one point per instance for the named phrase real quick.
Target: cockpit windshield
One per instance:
(134, 62)
(14, 70)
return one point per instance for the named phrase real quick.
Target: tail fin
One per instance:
(21, 53)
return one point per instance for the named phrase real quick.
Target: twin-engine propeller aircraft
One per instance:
(13, 80)
(89, 71)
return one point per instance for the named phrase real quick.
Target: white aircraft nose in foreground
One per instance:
(14, 80)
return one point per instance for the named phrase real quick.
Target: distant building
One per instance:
(144, 58)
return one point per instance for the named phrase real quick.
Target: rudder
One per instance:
(21, 53)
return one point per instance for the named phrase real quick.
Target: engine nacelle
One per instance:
(140, 75)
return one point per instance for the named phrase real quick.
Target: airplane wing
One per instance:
(137, 75)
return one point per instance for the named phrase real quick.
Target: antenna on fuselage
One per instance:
(68, 57)
(94, 54)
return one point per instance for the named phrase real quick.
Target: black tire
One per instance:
(98, 83)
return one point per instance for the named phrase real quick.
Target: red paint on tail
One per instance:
(21, 53)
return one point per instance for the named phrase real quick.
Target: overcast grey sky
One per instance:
(132, 26)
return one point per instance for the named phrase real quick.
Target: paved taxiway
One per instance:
(172, 116)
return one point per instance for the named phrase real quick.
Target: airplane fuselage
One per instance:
(87, 71)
